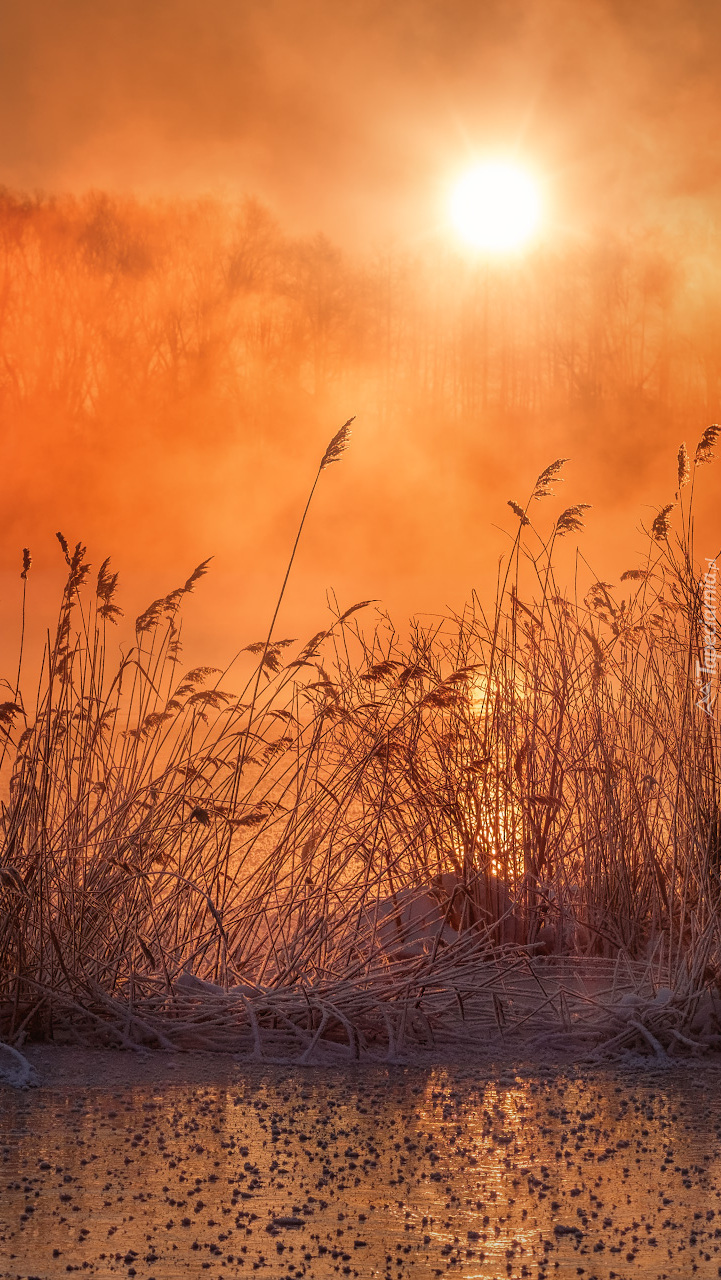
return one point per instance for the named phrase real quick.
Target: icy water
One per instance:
(372, 1171)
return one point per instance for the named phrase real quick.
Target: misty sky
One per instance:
(353, 117)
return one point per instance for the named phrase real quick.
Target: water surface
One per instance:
(371, 1171)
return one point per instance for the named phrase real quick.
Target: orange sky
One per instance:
(350, 119)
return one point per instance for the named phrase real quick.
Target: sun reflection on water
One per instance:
(315, 1172)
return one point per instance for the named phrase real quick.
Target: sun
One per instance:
(496, 206)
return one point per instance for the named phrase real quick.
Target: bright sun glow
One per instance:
(496, 206)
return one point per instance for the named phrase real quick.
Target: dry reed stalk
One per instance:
(550, 756)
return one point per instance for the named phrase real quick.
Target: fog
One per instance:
(224, 232)
(350, 119)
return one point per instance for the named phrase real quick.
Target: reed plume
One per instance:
(542, 487)
(704, 448)
(661, 526)
(684, 466)
(518, 511)
(337, 446)
(571, 520)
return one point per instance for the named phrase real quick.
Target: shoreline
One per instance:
(59, 1067)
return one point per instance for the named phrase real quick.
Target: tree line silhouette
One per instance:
(112, 306)
(158, 354)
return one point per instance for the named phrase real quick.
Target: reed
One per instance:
(184, 865)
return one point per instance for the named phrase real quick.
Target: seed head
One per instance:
(196, 575)
(684, 467)
(635, 575)
(337, 446)
(518, 511)
(542, 488)
(571, 520)
(704, 448)
(106, 587)
(661, 526)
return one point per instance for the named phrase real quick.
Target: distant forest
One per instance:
(171, 369)
(113, 310)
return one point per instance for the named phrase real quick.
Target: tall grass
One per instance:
(184, 865)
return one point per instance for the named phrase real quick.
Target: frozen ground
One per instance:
(163, 1167)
